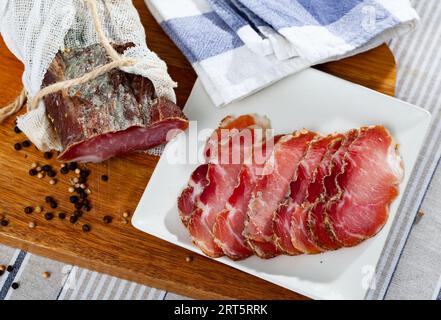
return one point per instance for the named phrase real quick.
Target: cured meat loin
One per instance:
(114, 114)
(219, 140)
(271, 188)
(283, 218)
(230, 222)
(372, 173)
(222, 179)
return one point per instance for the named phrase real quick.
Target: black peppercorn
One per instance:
(15, 285)
(73, 219)
(82, 180)
(28, 210)
(86, 228)
(33, 172)
(4, 223)
(104, 178)
(82, 193)
(17, 129)
(53, 205)
(78, 205)
(78, 213)
(64, 170)
(49, 199)
(48, 155)
(9, 268)
(72, 166)
(46, 168)
(26, 144)
(84, 173)
(87, 207)
(107, 219)
(51, 173)
(48, 215)
(73, 199)
(17, 146)
(62, 215)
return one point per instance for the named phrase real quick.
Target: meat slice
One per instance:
(163, 126)
(222, 178)
(372, 173)
(283, 217)
(188, 197)
(300, 238)
(230, 222)
(317, 232)
(114, 114)
(220, 139)
(308, 167)
(271, 189)
(228, 127)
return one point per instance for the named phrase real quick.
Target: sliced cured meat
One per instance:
(372, 173)
(300, 237)
(198, 180)
(222, 179)
(114, 114)
(332, 188)
(318, 232)
(230, 223)
(271, 189)
(188, 197)
(283, 218)
(317, 188)
(282, 221)
(309, 165)
(228, 127)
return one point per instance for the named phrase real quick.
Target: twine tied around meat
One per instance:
(117, 62)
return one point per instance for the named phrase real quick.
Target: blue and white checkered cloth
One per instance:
(240, 46)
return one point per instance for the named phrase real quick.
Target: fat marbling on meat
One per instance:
(311, 194)
(285, 222)
(222, 174)
(372, 173)
(230, 222)
(271, 188)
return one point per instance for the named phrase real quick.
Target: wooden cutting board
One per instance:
(117, 248)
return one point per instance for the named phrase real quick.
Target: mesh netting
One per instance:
(36, 30)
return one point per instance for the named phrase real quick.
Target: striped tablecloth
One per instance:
(412, 273)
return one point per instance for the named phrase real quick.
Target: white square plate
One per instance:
(313, 100)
